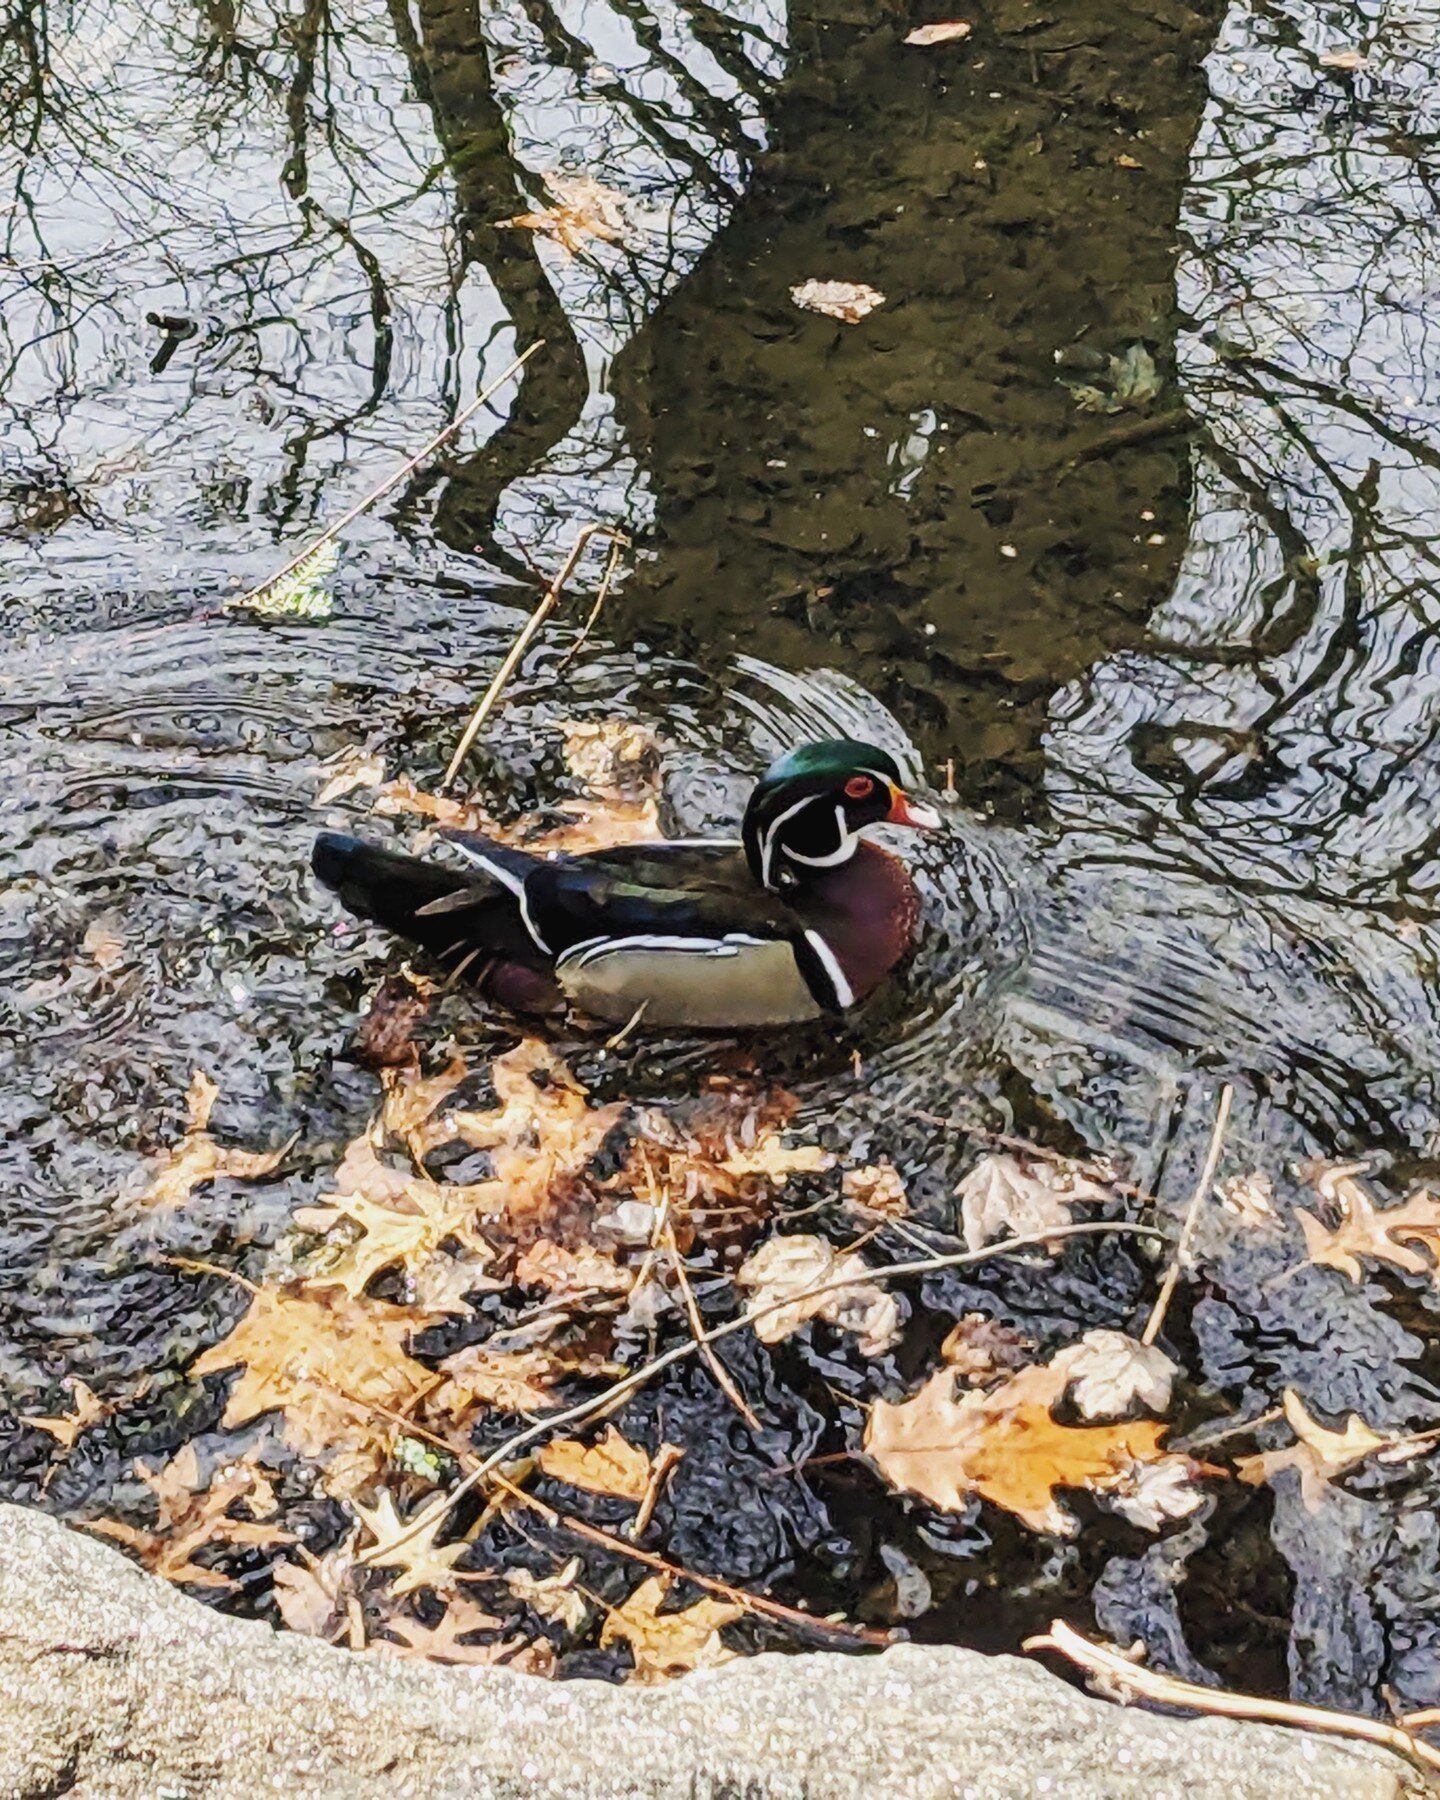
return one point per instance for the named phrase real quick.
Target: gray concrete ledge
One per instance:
(114, 1685)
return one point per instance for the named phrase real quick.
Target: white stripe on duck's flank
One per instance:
(579, 955)
(693, 843)
(529, 922)
(496, 871)
(844, 993)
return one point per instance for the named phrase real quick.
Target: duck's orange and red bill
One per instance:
(906, 811)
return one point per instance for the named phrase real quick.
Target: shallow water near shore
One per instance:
(1173, 634)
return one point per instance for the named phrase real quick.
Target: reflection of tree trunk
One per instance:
(894, 496)
(451, 70)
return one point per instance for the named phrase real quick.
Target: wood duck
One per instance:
(798, 918)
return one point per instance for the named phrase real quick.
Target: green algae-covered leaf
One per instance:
(303, 593)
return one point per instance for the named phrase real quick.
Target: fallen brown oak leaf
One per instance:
(1386, 1234)
(312, 1595)
(1319, 1454)
(197, 1159)
(326, 1362)
(507, 1380)
(583, 208)
(554, 1597)
(1005, 1446)
(444, 1642)
(572, 1274)
(190, 1518)
(666, 1644)
(611, 1465)
(411, 1099)
(88, 1410)
(433, 1212)
(422, 1562)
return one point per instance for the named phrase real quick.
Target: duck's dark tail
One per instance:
(449, 912)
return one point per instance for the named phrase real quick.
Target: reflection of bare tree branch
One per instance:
(451, 71)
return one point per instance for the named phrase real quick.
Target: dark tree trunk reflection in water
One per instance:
(898, 495)
(451, 70)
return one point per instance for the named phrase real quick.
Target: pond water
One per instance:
(1118, 510)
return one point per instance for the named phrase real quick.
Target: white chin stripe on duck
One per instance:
(829, 827)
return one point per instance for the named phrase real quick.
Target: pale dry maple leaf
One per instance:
(668, 1644)
(1003, 1193)
(1107, 1372)
(1149, 1494)
(788, 1269)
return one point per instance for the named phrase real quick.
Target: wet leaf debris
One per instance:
(578, 1382)
(570, 1381)
(531, 1378)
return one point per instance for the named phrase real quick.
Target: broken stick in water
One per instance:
(529, 631)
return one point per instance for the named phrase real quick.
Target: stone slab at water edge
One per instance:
(116, 1687)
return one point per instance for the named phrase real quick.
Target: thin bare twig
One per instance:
(723, 1378)
(760, 1603)
(1187, 1230)
(638, 1378)
(618, 543)
(666, 1457)
(377, 493)
(1118, 1672)
(527, 635)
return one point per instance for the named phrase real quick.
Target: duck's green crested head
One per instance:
(810, 805)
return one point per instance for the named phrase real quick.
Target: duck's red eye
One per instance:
(859, 787)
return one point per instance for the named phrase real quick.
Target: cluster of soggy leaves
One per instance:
(472, 1269)
(546, 1379)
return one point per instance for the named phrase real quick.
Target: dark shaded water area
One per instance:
(1176, 636)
